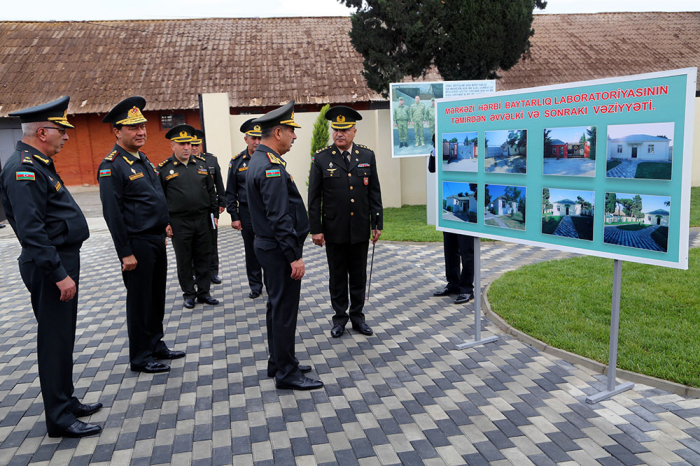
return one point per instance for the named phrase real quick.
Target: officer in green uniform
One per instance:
(215, 171)
(281, 226)
(430, 116)
(51, 229)
(136, 213)
(189, 190)
(418, 117)
(401, 117)
(237, 204)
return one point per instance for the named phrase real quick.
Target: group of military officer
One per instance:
(181, 199)
(418, 114)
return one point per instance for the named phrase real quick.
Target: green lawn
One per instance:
(660, 237)
(632, 227)
(584, 227)
(408, 223)
(566, 304)
(654, 170)
(612, 164)
(550, 224)
(515, 222)
(695, 207)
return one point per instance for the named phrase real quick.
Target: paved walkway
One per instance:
(566, 228)
(405, 395)
(495, 218)
(632, 238)
(627, 169)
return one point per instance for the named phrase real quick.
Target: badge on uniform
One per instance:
(202, 171)
(57, 186)
(136, 176)
(105, 172)
(272, 173)
(171, 176)
(362, 165)
(366, 181)
(27, 160)
(25, 176)
(331, 171)
(242, 169)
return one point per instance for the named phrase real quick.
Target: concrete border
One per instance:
(596, 366)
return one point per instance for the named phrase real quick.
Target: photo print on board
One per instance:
(505, 151)
(569, 151)
(459, 201)
(637, 220)
(641, 151)
(568, 213)
(460, 152)
(505, 206)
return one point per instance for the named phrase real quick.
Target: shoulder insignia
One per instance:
(201, 158)
(272, 173)
(211, 154)
(322, 149)
(274, 159)
(111, 156)
(239, 154)
(27, 160)
(46, 161)
(105, 172)
(364, 147)
(230, 163)
(163, 163)
(130, 162)
(25, 176)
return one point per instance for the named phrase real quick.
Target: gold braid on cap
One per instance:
(62, 120)
(133, 117)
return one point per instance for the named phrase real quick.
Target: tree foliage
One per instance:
(320, 134)
(463, 39)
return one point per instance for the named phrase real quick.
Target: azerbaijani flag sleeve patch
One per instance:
(105, 172)
(272, 173)
(29, 176)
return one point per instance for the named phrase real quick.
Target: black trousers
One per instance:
(56, 321)
(347, 265)
(282, 309)
(145, 299)
(192, 245)
(459, 247)
(252, 266)
(214, 263)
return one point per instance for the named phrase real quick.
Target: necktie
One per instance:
(346, 157)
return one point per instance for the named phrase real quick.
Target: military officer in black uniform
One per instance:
(345, 208)
(237, 204)
(189, 190)
(281, 225)
(51, 229)
(136, 213)
(215, 172)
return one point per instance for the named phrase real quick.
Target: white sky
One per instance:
(80, 10)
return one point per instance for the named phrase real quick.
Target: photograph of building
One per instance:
(568, 213)
(640, 151)
(505, 206)
(460, 152)
(506, 151)
(569, 151)
(459, 201)
(637, 220)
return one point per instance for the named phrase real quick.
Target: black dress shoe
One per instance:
(151, 368)
(362, 328)
(169, 354)
(445, 292)
(254, 294)
(463, 298)
(337, 330)
(215, 280)
(302, 383)
(302, 368)
(86, 410)
(208, 300)
(77, 429)
(189, 303)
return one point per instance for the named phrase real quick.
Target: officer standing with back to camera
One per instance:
(281, 225)
(136, 213)
(237, 204)
(51, 229)
(189, 190)
(345, 209)
(215, 172)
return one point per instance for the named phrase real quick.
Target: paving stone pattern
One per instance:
(632, 238)
(402, 396)
(566, 228)
(627, 169)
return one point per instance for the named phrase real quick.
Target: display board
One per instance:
(597, 167)
(413, 112)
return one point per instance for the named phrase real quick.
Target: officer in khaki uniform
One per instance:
(237, 204)
(189, 190)
(136, 213)
(215, 171)
(401, 117)
(51, 229)
(417, 113)
(345, 209)
(430, 116)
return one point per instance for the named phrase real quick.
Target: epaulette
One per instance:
(27, 159)
(209, 153)
(163, 163)
(201, 158)
(274, 159)
(364, 147)
(322, 149)
(239, 154)
(111, 156)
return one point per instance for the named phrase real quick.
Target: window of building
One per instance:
(650, 148)
(554, 151)
(619, 148)
(170, 120)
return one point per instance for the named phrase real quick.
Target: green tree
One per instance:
(592, 133)
(320, 134)
(637, 207)
(487, 196)
(522, 142)
(463, 39)
(610, 202)
(511, 195)
(545, 200)
(521, 207)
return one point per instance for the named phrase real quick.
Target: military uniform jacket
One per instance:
(401, 113)
(132, 199)
(236, 182)
(41, 211)
(276, 207)
(344, 203)
(188, 187)
(215, 172)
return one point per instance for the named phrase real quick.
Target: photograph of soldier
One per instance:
(418, 115)
(192, 205)
(281, 226)
(345, 210)
(237, 204)
(430, 116)
(215, 172)
(136, 213)
(401, 118)
(412, 111)
(51, 229)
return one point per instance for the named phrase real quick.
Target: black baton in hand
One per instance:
(371, 265)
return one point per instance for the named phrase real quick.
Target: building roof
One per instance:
(460, 198)
(262, 62)
(639, 138)
(658, 212)
(558, 142)
(564, 201)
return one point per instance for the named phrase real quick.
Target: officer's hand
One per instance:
(297, 269)
(169, 231)
(67, 287)
(318, 239)
(375, 236)
(236, 225)
(221, 209)
(216, 222)
(129, 262)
